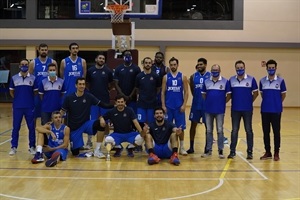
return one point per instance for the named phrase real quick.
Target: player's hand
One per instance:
(165, 108)
(46, 148)
(178, 131)
(53, 136)
(146, 128)
(182, 108)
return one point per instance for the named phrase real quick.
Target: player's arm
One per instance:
(45, 129)
(254, 95)
(62, 68)
(186, 93)
(177, 131)
(31, 67)
(138, 127)
(84, 67)
(163, 92)
(192, 85)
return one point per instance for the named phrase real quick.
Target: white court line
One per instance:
(221, 181)
(15, 197)
(5, 141)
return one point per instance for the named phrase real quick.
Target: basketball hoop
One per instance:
(117, 12)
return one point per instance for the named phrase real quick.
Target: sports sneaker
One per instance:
(225, 140)
(153, 159)
(32, 150)
(38, 158)
(190, 151)
(130, 152)
(138, 149)
(221, 155)
(174, 159)
(231, 155)
(249, 156)
(183, 152)
(276, 157)
(85, 154)
(89, 145)
(266, 156)
(99, 154)
(53, 160)
(118, 152)
(13, 151)
(206, 154)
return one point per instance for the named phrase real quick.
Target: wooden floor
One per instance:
(132, 178)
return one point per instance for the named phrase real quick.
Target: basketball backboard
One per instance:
(136, 8)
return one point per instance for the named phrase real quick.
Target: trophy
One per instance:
(108, 148)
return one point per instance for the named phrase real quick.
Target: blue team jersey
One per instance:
(174, 91)
(198, 103)
(24, 88)
(99, 80)
(60, 134)
(148, 85)
(52, 94)
(215, 102)
(242, 93)
(271, 94)
(41, 69)
(73, 70)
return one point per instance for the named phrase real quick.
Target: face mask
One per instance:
(215, 74)
(127, 58)
(52, 73)
(24, 68)
(271, 72)
(240, 72)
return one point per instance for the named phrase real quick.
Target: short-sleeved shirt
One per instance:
(215, 102)
(78, 108)
(24, 88)
(198, 103)
(242, 93)
(52, 94)
(99, 80)
(161, 134)
(147, 85)
(73, 70)
(122, 120)
(271, 94)
(125, 75)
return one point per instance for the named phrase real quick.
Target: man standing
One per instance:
(273, 91)
(198, 106)
(72, 68)
(162, 139)
(99, 82)
(22, 89)
(216, 92)
(125, 75)
(39, 68)
(244, 91)
(174, 97)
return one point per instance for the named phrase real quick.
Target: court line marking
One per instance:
(5, 141)
(15, 197)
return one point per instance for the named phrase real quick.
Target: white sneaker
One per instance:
(225, 140)
(99, 154)
(13, 151)
(183, 152)
(206, 154)
(32, 150)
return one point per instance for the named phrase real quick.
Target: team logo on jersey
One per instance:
(30, 82)
(103, 73)
(247, 84)
(276, 86)
(131, 70)
(84, 101)
(59, 87)
(124, 115)
(221, 87)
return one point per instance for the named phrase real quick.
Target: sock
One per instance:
(98, 145)
(181, 143)
(89, 140)
(118, 147)
(192, 144)
(130, 146)
(151, 150)
(175, 150)
(39, 148)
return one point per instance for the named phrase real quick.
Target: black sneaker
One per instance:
(130, 151)
(53, 160)
(118, 152)
(221, 156)
(190, 151)
(249, 156)
(231, 155)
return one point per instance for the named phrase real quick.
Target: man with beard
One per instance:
(162, 139)
(125, 75)
(174, 97)
(198, 108)
(72, 68)
(160, 69)
(99, 82)
(39, 68)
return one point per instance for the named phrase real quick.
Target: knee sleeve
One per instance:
(138, 140)
(97, 127)
(75, 152)
(110, 139)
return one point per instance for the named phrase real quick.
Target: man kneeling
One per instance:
(58, 138)
(162, 139)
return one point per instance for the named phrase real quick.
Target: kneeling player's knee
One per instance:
(97, 126)
(138, 140)
(110, 139)
(75, 152)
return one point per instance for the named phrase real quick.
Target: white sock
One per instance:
(131, 146)
(90, 137)
(181, 143)
(39, 148)
(98, 145)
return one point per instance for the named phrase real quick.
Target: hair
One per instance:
(23, 60)
(73, 44)
(159, 108)
(119, 96)
(217, 66)
(160, 53)
(126, 52)
(43, 45)
(146, 58)
(174, 59)
(100, 54)
(239, 62)
(270, 62)
(79, 79)
(52, 64)
(56, 112)
(202, 60)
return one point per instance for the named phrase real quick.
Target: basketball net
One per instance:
(117, 12)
